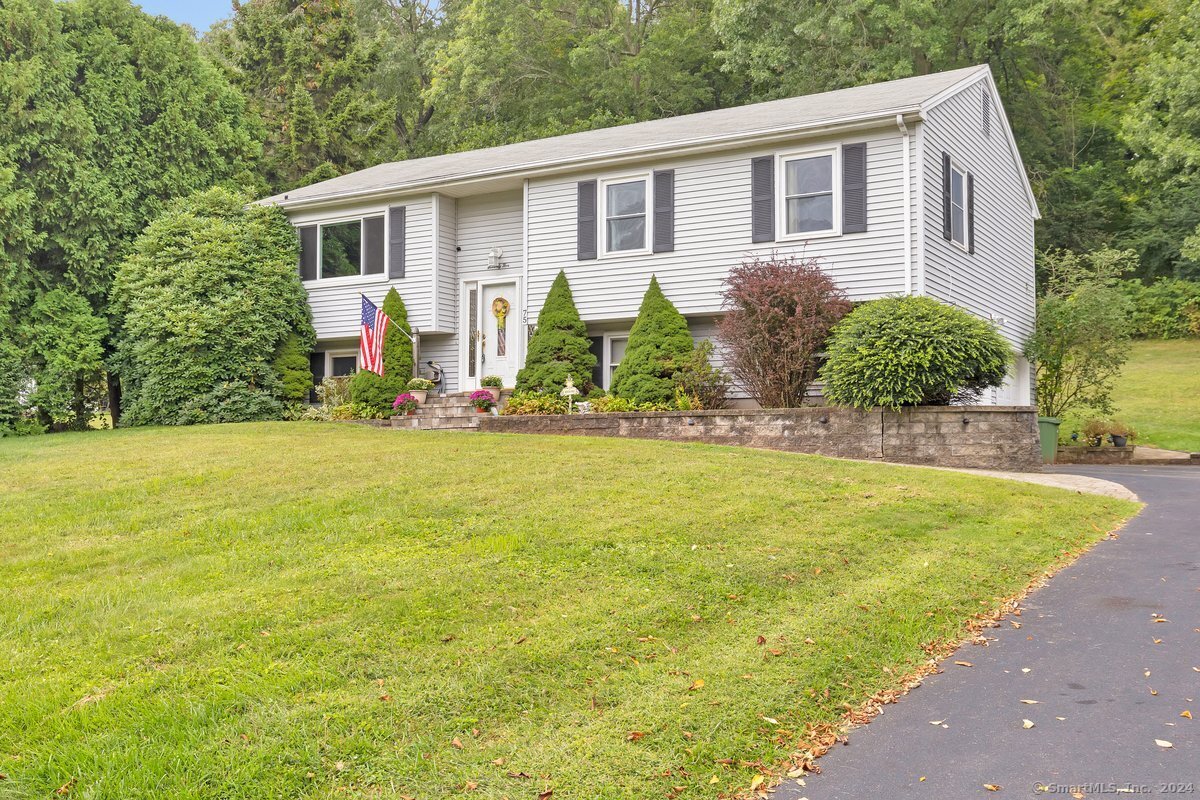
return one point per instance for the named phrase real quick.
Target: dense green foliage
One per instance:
(66, 352)
(912, 351)
(559, 346)
(377, 392)
(1166, 309)
(14, 377)
(1081, 337)
(207, 298)
(293, 370)
(659, 346)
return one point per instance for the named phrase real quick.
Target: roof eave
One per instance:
(696, 145)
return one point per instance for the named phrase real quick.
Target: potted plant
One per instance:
(1094, 431)
(493, 383)
(405, 404)
(482, 400)
(419, 388)
(1120, 433)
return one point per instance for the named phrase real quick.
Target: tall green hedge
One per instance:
(205, 301)
(373, 391)
(559, 346)
(908, 351)
(293, 369)
(659, 344)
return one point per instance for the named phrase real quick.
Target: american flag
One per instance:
(370, 343)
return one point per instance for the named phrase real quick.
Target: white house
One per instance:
(912, 186)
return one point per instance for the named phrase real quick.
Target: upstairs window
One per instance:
(958, 205)
(342, 249)
(625, 215)
(808, 203)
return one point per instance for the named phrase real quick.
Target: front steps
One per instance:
(450, 412)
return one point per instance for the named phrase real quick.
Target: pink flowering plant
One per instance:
(405, 403)
(482, 399)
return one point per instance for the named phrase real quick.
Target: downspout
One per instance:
(524, 338)
(908, 220)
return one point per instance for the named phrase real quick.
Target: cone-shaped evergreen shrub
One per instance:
(659, 344)
(293, 370)
(560, 346)
(378, 393)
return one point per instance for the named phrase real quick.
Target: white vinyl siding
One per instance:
(997, 280)
(335, 305)
(489, 221)
(442, 349)
(447, 264)
(712, 234)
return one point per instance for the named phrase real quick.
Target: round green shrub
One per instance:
(559, 346)
(293, 370)
(911, 351)
(659, 345)
(377, 393)
(207, 298)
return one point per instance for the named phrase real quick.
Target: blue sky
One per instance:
(198, 13)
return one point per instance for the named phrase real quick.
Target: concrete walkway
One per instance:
(1108, 680)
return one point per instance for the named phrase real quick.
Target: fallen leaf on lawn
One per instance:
(1031, 702)
(964, 663)
(993, 787)
(761, 640)
(470, 786)
(634, 736)
(1027, 724)
(449, 637)
(1163, 743)
(756, 782)
(809, 641)
(775, 652)
(520, 640)
(696, 684)
(340, 766)
(65, 788)
(499, 762)
(456, 743)
(521, 775)
(385, 697)
(770, 720)
(1185, 714)
(546, 795)
(714, 779)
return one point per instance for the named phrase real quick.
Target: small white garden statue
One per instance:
(569, 391)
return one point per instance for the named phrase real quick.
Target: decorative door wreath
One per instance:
(500, 309)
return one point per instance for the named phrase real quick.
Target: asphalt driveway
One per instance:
(1110, 652)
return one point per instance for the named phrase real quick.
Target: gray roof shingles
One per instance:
(877, 99)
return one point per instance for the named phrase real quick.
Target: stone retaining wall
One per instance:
(985, 437)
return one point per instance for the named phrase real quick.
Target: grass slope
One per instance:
(304, 610)
(1159, 393)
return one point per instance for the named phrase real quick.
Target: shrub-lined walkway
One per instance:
(309, 610)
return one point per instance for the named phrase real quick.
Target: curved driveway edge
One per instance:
(1082, 699)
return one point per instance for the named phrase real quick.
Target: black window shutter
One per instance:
(854, 188)
(397, 219)
(308, 252)
(664, 210)
(970, 213)
(373, 249)
(585, 233)
(316, 363)
(946, 234)
(762, 199)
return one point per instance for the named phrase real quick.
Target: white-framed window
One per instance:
(958, 205)
(809, 194)
(342, 248)
(624, 212)
(341, 363)
(614, 352)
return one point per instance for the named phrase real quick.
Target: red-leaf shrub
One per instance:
(779, 312)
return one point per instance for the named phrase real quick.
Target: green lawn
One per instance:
(1159, 393)
(307, 610)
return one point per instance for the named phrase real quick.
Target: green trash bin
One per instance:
(1048, 430)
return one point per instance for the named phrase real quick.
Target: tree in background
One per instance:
(304, 68)
(1081, 337)
(912, 351)
(659, 344)
(559, 346)
(109, 115)
(209, 295)
(14, 381)
(779, 314)
(66, 353)
(374, 392)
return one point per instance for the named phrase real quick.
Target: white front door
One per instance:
(499, 321)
